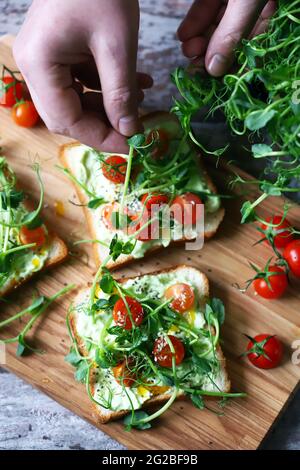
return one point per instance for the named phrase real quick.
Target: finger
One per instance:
(201, 14)
(194, 47)
(61, 109)
(237, 22)
(263, 21)
(87, 74)
(116, 63)
(92, 101)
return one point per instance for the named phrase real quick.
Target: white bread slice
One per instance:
(58, 252)
(201, 285)
(211, 222)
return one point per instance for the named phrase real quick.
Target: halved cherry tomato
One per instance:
(185, 208)
(265, 351)
(183, 297)
(35, 235)
(154, 200)
(123, 374)
(25, 114)
(121, 315)
(149, 232)
(161, 145)
(278, 284)
(281, 236)
(292, 255)
(114, 169)
(107, 214)
(11, 92)
(163, 354)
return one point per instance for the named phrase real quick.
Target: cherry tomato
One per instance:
(284, 237)
(149, 232)
(36, 235)
(161, 145)
(123, 374)
(25, 114)
(185, 208)
(107, 214)
(183, 297)
(154, 200)
(292, 255)
(265, 351)
(10, 92)
(114, 169)
(163, 354)
(278, 282)
(121, 315)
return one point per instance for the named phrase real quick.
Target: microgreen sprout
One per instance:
(35, 310)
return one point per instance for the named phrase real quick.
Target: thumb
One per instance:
(239, 18)
(116, 63)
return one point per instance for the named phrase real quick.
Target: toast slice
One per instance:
(71, 155)
(83, 335)
(24, 264)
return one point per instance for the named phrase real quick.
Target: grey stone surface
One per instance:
(29, 419)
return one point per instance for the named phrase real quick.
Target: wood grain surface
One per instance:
(225, 261)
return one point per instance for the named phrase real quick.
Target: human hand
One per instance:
(213, 29)
(65, 44)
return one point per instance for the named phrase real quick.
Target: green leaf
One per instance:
(102, 359)
(11, 198)
(21, 349)
(137, 140)
(136, 421)
(218, 309)
(95, 203)
(202, 364)
(107, 283)
(105, 304)
(73, 357)
(270, 189)
(260, 150)
(31, 221)
(248, 213)
(36, 304)
(197, 401)
(259, 119)
(81, 371)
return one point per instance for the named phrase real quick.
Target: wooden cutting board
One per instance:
(225, 261)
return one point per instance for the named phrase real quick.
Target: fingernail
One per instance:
(217, 66)
(129, 125)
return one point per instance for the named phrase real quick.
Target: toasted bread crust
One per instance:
(158, 116)
(105, 417)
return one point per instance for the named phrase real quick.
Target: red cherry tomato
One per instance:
(36, 235)
(25, 114)
(161, 145)
(114, 169)
(123, 374)
(149, 232)
(183, 297)
(185, 208)
(154, 200)
(278, 282)
(10, 92)
(284, 237)
(265, 351)
(121, 315)
(292, 255)
(163, 354)
(107, 214)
